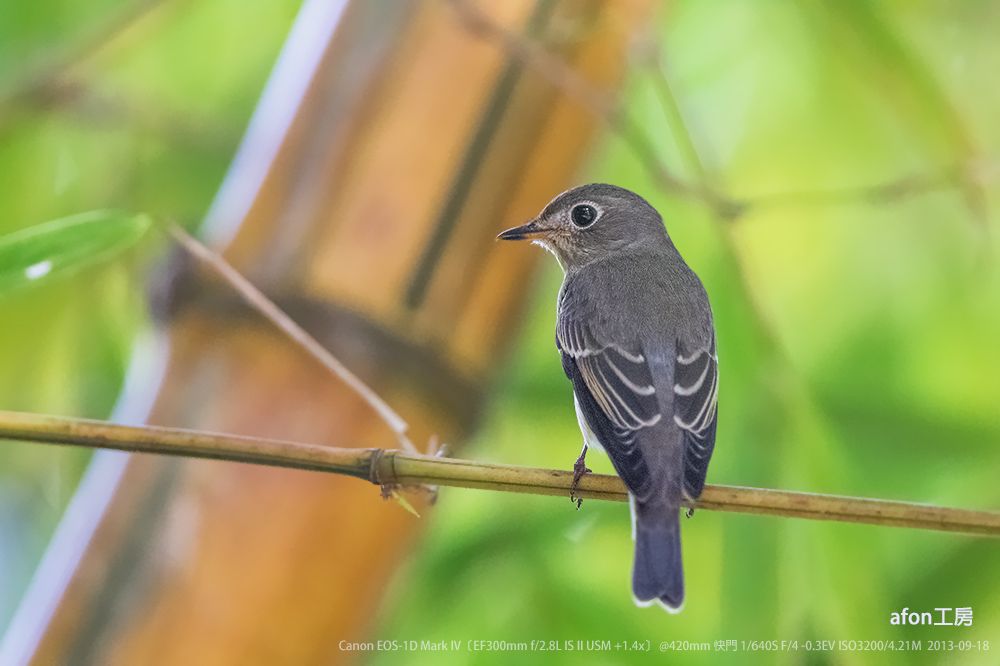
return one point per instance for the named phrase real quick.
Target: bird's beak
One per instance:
(529, 230)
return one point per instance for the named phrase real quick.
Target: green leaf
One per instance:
(67, 244)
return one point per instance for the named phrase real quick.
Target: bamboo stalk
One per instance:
(390, 468)
(383, 251)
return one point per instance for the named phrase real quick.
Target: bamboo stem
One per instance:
(390, 467)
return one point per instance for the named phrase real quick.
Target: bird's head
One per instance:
(593, 222)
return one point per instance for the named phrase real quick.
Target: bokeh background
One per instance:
(856, 295)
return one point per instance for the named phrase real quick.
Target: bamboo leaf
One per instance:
(405, 503)
(65, 245)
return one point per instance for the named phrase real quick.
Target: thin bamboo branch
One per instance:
(99, 107)
(726, 206)
(674, 117)
(392, 468)
(37, 76)
(266, 307)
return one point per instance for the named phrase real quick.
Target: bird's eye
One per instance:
(583, 215)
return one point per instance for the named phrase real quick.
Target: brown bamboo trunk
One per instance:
(389, 148)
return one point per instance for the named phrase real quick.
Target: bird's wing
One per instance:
(615, 390)
(696, 398)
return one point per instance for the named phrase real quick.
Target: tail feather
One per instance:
(657, 574)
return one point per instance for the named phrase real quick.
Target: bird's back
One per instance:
(651, 298)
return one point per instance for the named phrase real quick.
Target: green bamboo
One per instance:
(389, 468)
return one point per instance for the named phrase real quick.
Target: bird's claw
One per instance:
(580, 470)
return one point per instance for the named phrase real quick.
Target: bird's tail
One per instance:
(657, 574)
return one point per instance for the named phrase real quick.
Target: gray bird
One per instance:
(635, 332)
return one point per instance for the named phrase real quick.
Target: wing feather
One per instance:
(696, 402)
(615, 393)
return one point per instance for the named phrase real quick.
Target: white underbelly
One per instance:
(589, 438)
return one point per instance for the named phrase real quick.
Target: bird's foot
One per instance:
(580, 470)
(688, 512)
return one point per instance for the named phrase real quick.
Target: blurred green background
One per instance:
(858, 328)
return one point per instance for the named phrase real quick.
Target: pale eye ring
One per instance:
(583, 215)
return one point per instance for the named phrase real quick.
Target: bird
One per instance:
(636, 336)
